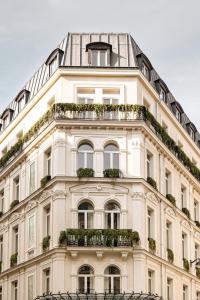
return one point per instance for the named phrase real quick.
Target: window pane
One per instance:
(106, 161)
(117, 284)
(80, 160)
(30, 288)
(81, 220)
(81, 285)
(89, 160)
(111, 147)
(31, 233)
(94, 58)
(116, 161)
(84, 147)
(90, 221)
(32, 177)
(102, 58)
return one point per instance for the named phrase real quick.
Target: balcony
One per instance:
(99, 238)
(99, 296)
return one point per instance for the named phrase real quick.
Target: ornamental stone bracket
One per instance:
(124, 255)
(197, 235)
(145, 196)
(170, 212)
(52, 194)
(74, 254)
(15, 216)
(31, 205)
(99, 254)
(186, 224)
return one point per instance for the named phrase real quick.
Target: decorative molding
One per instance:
(103, 188)
(171, 212)
(45, 195)
(15, 216)
(138, 195)
(186, 224)
(4, 227)
(31, 205)
(99, 254)
(59, 194)
(197, 235)
(152, 197)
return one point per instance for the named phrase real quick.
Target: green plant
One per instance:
(186, 264)
(152, 244)
(198, 272)
(46, 242)
(13, 259)
(186, 212)
(111, 173)
(171, 199)
(1, 214)
(14, 203)
(85, 172)
(197, 223)
(0, 266)
(152, 182)
(62, 238)
(170, 255)
(44, 180)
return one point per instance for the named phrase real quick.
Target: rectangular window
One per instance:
(149, 162)
(150, 223)
(178, 115)
(16, 188)
(145, 70)
(185, 292)
(99, 58)
(1, 248)
(31, 231)
(183, 197)
(150, 281)
(113, 115)
(169, 235)
(196, 210)
(162, 95)
(53, 66)
(47, 211)
(167, 182)
(47, 281)
(15, 239)
(30, 287)
(15, 290)
(48, 163)
(5, 121)
(169, 289)
(184, 245)
(32, 177)
(1, 200)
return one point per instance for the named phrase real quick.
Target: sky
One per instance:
(168, 31)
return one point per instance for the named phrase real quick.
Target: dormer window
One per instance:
(191, 130)
(145, 70)
(162, 89)
(99, 54)
(162, 95)
(6, 117)
(54, 61)
(192, 134)
(178, 115)
(22, 99)
(5, 121)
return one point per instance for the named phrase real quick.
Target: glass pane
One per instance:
(112, 206)
(116, 160)
(81, 284)
(89, 284)
(31, 232)
(80, 160)
(90, 220)
(116, 220)
(108, 220)
(94, 55)
(84, 147)
(85, 270)
(89, 160)
(85, 206)
(102, 58)
(106, 101)
(111, 147)
(81, 220)
(106, 161)
(116, 284)
(107, 284)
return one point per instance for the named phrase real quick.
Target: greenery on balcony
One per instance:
(186, 212)
(111, 173)
(44, 180)
(152, 182)
(197, 224)
(46, 243)
(186, 264)
(152, 245)
(171, 199)
(0, 266)
(14, 203)
(85, 172)
(198, 272)
(170, 255)
(13, 259)
(1, 214)
(99, 237)
(60, 110)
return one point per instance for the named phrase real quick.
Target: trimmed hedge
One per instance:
(171, 199)
(186, 264)
(46, 242)
(186, 212)
(198, 272)
(85, 172)
(152, 244)
(197, 224)
(14, 203)
(111, 173)
(152, 182)
(44, 180)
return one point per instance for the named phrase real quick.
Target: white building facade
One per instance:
(99, 179)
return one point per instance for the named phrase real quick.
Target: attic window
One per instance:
(22, 99)
(145, 70)
(162, 94)
(99, 54)
(6, 117)
(178, 115)
(192, 134)
(162, 89)
(145, 65)
(191, 130)
(54, 60)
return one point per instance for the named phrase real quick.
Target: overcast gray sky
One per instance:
(167, 31)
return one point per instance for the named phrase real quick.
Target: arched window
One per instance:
(111, 157)
(85, 156)
(112, 280)
(85, 279)
(85, 215)
(112, 216)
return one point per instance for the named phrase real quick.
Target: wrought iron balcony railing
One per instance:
(99, 238)
(99, 296)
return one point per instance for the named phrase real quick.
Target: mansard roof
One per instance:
(73, 53)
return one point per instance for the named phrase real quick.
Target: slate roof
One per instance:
(125, 53)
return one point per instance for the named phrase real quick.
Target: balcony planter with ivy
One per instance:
(111, 173)
(0, 266)
(152, 182)
(13, 259)
(46, 243)
(45, 180)
(14, 203)
(197, 224)
(170, 255)
(186, 264)
(152, 245)
(171, 199)
(63, 238)
(85, 172)
(1, 214)
(198, 272)
(186, 212)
